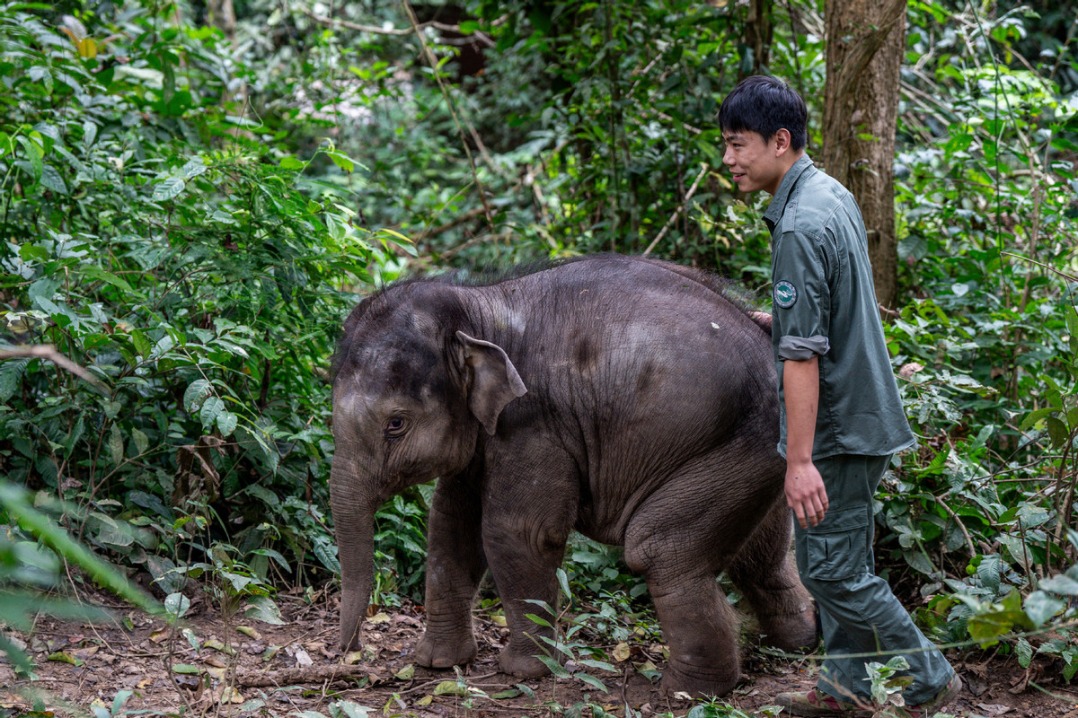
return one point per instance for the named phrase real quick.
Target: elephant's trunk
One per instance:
(353, 515)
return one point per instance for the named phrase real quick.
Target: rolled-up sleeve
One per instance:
(802, 348)
(801, 299)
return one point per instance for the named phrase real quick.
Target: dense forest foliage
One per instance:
(194, 195)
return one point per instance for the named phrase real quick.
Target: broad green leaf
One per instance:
(119, 700)
(92, 272)
(988, 571)
(195, 394)
(177, 605)
(556, 668)
(343, 161)
(142, 75)
(193, 168)
(185, 669)
(992, 622)
(275, 555)
(1024, 651)
(52, 179)
(226, 422)
(289, 162)
(242, 121)
(916, 558)
(537, 620)
(40, 73)
(563, 582)
(141, 342)
(1034, 416)
(168, 189)
(116, 445)
(211, 408)
(89, 133)
(33, 155)
(1061, 584)
(1057, 431)
(11, 372)
(32, 253)
(326, 554)
(593, 682)
(600, 665)
(450, 688)
(1040, 607)
(238, 581)
(263, 608)
(64, 657)
(141, 441)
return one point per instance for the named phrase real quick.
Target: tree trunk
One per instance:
(759, 31)
(223, 15)
(865, 42)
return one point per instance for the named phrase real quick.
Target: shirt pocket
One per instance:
(836, 550)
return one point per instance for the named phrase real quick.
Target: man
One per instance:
(840, 413)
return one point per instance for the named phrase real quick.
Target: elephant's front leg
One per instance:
(524, 536)
(455, 565)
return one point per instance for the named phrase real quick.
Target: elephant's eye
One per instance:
(395, 426)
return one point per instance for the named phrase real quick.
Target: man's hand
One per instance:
(805, 493)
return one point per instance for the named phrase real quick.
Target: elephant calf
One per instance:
(626, 398)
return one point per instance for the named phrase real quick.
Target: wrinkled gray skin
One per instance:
(622, 397)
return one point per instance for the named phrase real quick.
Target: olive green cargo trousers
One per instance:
(860, 618)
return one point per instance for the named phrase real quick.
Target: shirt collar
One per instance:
(778, 204)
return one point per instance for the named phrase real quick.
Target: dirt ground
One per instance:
(234, 667)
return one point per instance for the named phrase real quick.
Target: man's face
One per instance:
(756, 163)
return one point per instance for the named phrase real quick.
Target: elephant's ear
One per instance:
(495, 381)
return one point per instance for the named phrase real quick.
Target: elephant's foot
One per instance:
(523, 665)
(439, 652)
(714, 680)
(791, 631)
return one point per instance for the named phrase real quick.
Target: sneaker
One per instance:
(947, 694)
(818, 703)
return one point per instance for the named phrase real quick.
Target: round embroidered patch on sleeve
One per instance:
(785, 294)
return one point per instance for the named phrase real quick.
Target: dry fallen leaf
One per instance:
(249, 632)
(303, 659)
(214, 661)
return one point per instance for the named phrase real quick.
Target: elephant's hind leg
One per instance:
(701, 630)
(697, 622)
(765, 572)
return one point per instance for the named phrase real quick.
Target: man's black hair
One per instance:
(765, 105)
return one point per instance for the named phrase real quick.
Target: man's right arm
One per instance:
(805, 492)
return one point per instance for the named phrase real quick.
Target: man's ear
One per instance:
(782, 140)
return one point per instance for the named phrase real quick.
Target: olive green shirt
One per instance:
(824, 303)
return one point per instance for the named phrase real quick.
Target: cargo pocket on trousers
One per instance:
(836, 549)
